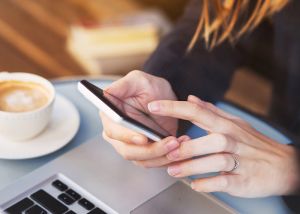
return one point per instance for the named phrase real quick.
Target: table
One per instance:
(90, 126)
(10, 170)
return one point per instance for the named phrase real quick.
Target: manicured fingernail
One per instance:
(173, 155)
(173, 144)
(137, 139)
(153, 107)
(174, 170)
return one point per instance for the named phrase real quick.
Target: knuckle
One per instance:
(163, 81)
(221, 139)
(135, 73)
(225, 162)
(145, 82)
(140, 164)
(146, 165)
(106, 138)
(225, 143)
(104, 135)
(156, 150)
(126, 156)
(222, 183)
(137, 163)
(228, 126)
(194, 111)
(108, 133)
(209, 105)
(169, 106)
(124, 153)
(195, 108)
(159, 83)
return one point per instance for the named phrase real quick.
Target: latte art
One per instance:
(17, 96)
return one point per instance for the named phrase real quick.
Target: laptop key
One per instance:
(35, 210)
(86, 204)
(66, 199)
(49, 202)
(59, 185)
(70, 212)
(96, 211)
(73, 194)
(20, 206)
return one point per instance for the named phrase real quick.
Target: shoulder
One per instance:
(288, 19)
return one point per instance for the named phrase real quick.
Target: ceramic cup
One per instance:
(17, 122)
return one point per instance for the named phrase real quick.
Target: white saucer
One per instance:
(61, 129)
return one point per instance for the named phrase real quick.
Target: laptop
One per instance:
(93, 178)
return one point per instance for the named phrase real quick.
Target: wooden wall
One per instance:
(33, 32)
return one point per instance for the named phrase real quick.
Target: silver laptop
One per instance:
(93, 179)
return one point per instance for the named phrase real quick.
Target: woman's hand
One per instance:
(138, 89)
(250, 164)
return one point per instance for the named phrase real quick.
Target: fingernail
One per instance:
(173, 170)
(172, 145)
(153, 107)
(173, 155)
(137, 139)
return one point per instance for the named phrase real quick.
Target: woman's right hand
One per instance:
(138, 89)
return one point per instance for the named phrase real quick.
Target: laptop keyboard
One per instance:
(43, 202)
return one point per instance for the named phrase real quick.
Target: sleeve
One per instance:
(203, 73)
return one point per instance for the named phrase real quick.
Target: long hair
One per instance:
(222, 20)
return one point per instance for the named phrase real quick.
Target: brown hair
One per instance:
(222, 19)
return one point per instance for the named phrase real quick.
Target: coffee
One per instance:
(19, 96)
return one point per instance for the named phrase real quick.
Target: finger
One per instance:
(209, 144)
(220, 112)
(210, 106)
(143, 152)
(220, 183)
(156, 162)
(117, 132)
(197, 114)
(160, 161)
(183, 138)
(212, 163)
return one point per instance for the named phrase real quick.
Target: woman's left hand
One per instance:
(250, 163)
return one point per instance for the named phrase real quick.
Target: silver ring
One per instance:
(236, 163)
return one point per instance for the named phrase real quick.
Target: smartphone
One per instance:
(123, 113)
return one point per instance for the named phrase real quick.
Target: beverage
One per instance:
(18, 96)
(26, 103)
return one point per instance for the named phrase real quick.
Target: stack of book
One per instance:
(118, 46)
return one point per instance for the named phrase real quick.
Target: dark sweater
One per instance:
(273, 48)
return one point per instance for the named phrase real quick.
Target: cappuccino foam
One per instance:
(17, 96)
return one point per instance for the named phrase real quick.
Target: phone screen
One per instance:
(129, 112)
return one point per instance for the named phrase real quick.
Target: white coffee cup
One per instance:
(24, 125)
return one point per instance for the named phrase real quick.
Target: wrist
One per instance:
(293, 171)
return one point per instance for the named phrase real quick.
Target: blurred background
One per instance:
(63, 38)
(34, 34)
